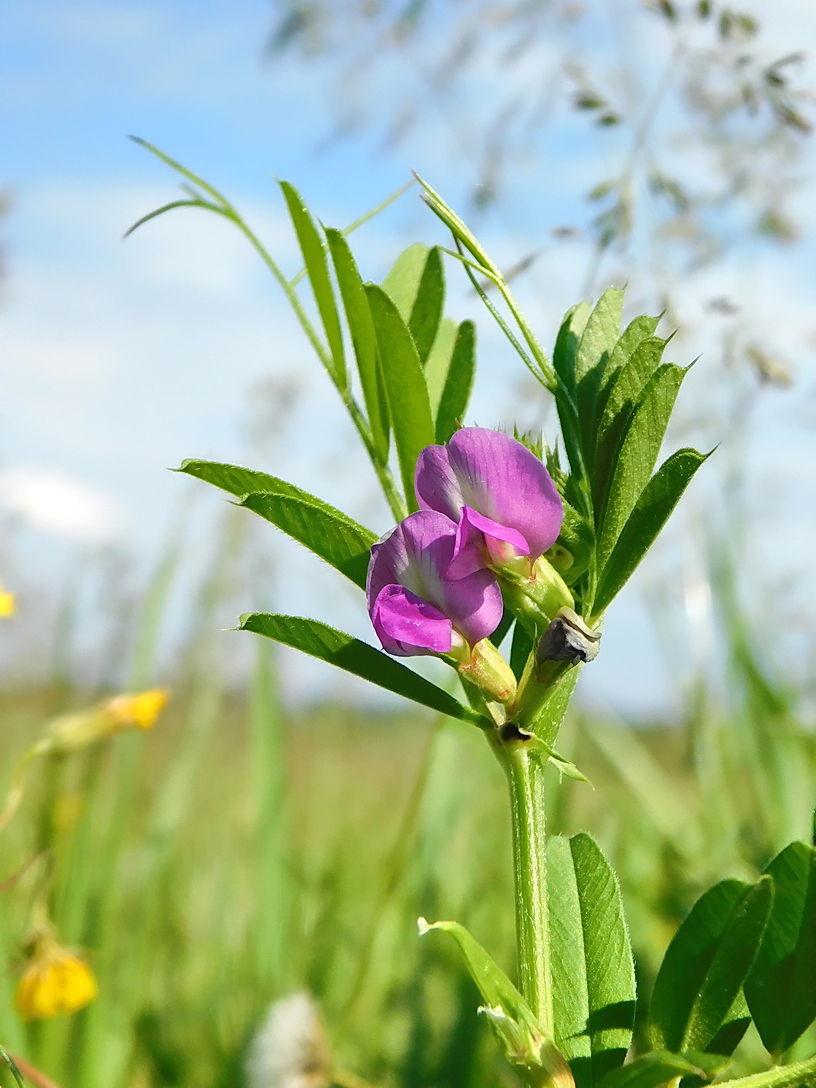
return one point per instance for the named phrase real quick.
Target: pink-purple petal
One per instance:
(436, 484)
(407, 625)
(496, 476)
(416, 556)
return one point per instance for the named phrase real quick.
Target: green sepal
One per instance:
(535, 1057)
(350, 654)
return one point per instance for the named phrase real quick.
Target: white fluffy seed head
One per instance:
(290, 1049)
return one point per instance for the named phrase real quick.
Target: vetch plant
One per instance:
(498, 541)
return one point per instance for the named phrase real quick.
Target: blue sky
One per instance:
(122, 358)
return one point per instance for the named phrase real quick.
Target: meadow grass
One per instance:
(239, 852)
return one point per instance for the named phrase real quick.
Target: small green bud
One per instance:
(537, 598)
(486, 669)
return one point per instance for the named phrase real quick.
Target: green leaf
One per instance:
(437, 365)
(511, 1018)
(314, 257)
(327, 532)
(781, 989)
(593, 975)
(426, 312)
(405, 388)
(621, 396)
(458, 384)
(239, 481)
(360, 659)
(565, 353)
(697, 1002)
(652, 1070)
(402, 282)
(597, 343)
(632, 336)
(363, 337)
(600, 334)
(651, 512)
(638, 452)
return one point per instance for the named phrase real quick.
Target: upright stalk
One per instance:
(525, 776)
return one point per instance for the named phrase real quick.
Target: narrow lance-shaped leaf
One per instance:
(621, 395)
(781, 989)
(343, 543)
(402, 282)
(350, 654)
(363, 337)
(638, 453)
(408, 402)
(426, 312)
(437, 365)
(651, 512)
(322, 528)
(511, 1018)
(593, 975)
(317, 266)
(458, 385)
(697, 1002)
(567, 341)
(597, 343)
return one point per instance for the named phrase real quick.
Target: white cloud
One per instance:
(61, 504)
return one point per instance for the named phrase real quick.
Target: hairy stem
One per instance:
(525, 775)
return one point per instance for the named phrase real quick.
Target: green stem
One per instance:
(525, 775)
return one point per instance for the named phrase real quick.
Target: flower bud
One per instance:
(536, 599)
(486, 669)
(54, 981)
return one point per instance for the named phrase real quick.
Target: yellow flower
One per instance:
(54, 981)
(8, 603)
(139, 710)
(70, 732)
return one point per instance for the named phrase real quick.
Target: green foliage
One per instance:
(360, 659)
(407, 394)
(363, 337)
(651, 512)
(593, 975)
(456, 390)
(313, 249)
(321, 528)
(780, 989)
(513, 1022)
(697, 1002)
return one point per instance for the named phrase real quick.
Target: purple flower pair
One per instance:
(487, 505)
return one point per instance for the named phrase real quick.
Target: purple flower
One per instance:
(414, 607)
(498, 492)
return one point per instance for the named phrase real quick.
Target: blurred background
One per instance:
(281, 827)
